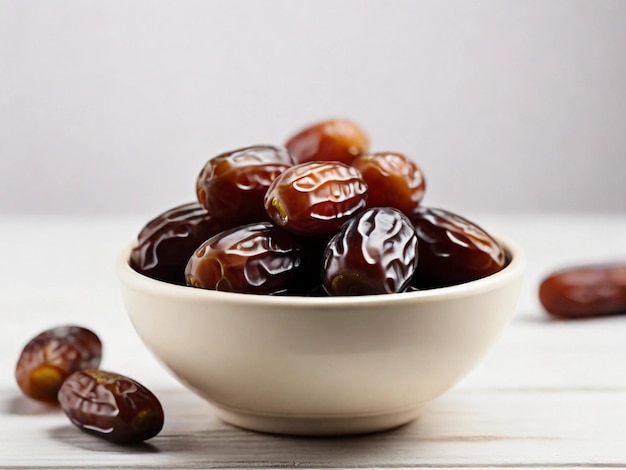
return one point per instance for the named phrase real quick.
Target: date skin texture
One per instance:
(373, 253)
(315, 198)
(111, 406)
(233, 184)
(392, 179)
(53, 355)
(254, 259)
(585, 291)
(452, 249)
(165, 244)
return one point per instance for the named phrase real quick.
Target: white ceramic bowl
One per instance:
(321, 366)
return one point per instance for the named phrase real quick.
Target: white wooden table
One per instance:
(551, 394)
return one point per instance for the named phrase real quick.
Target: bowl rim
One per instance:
(514, 269)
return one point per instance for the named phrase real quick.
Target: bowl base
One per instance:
(316, 426)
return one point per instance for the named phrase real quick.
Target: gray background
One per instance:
(113, 106)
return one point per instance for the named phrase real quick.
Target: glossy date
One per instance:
(315, 198)
(452, 249)
(165, 244)
(256, 259)
(373, 253)
(232, 185)
(585, 291)
(335, 139)
(392, 179)
(111, 406)
(51, 356)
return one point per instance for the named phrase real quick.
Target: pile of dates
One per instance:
(321, 215)
(60, 366)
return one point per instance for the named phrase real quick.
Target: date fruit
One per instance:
(51, 356)
(392, 181)
(111, 406)
(373, 253)
(585, 291)
(315, 198)
(452, 249)
(165, 244)
(233, 184)
(255, 259)
(332, 140)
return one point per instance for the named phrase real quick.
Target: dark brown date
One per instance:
(165, 244)
(315, 198)
(111, 406)
(373, 253)
(452, 249)
(392, 181)
(585, 291)
(232, 185)
(335, 139)
(256, 259)
(51, 356)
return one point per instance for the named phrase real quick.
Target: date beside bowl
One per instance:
(321, 365)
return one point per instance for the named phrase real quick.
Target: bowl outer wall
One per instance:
(321, 357)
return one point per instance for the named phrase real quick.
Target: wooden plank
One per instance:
(465, 428)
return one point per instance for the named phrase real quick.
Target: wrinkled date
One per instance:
(50, 357)
(232, 185)
(315, 198)
(452, 249)
(585, 291)
(335, 139)
(373, 253)
(256, 259)
(392, 181)
(111, 406)
(165, 244)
